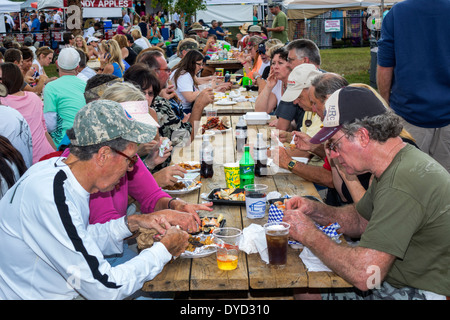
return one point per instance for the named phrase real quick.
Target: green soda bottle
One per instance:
(246, 168)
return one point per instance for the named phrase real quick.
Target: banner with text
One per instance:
(104, 3)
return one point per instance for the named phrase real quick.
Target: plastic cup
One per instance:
(210, 112)
(232, 175)
(277, 242)
(227, 241)
(255, 200)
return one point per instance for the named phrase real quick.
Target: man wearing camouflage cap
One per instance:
(45, 217)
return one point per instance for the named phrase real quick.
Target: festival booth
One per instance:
(92, 8)
(233, 13)
(300, 13)
(95, 9)
(7, 7)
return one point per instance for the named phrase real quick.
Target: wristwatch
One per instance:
(292, 164)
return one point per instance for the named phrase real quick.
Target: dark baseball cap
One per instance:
(346, 105)
(261, 48)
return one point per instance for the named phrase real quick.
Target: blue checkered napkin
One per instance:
(330, 230)
(276, 215)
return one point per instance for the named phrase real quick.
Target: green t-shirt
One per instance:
(279, 21)
(408, 209)
(65, 96)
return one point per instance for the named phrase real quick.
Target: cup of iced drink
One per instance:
(227, 241)
(277, 242)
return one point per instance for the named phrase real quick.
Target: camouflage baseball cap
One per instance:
(105, 120)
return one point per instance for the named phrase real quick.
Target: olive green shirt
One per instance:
(408, 209)
(279, 21)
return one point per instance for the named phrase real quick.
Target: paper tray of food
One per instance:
(255, 118)
(227, 196)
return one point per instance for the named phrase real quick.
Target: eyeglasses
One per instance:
(200, 64)
(333, 146)
(133, 159)
(165, 70)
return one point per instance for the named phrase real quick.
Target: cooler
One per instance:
(107, 25)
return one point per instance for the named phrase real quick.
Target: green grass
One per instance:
(351, 63)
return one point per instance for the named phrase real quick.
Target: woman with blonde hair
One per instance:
(80, 43)
(139, 39)
(111, 61)
(123, 43)
(44, 56)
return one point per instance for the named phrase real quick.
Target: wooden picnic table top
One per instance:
(202, 274)
(237, 108)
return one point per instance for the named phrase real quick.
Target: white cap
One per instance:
(68, 59)
(299, 79)
(95, 39)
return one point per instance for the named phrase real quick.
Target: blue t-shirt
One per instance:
(36, 25)
(219, 37)
(414, 41)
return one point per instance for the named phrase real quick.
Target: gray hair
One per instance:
(123, 92)
(85, 153)
(326, 83)
(305, 48)
(149, 58)
(381, 127)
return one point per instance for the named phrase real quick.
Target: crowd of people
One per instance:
(87, 141)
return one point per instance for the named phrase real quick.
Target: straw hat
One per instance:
(244, 28)
(196, 27)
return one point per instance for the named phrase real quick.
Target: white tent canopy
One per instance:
(42, 4)
(27, 5)
(9, 6)
(230, 12)
(334, 4)
(215, 2)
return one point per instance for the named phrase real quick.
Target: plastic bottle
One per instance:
(246, 81)
(206, 158)
(260, 156)
(241, 134)
(246, 168)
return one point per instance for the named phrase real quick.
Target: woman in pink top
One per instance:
(31, 108)
(121, 29)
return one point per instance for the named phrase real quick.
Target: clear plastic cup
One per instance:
(277, 242)
(227, 241)
(255, 200)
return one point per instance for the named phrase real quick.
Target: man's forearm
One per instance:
(314, 174)
(384, 81)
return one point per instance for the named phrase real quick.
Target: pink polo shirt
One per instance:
(139, 184)
(31, 108)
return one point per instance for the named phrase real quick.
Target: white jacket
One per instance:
(48, 250)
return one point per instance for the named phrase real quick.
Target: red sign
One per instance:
(104, 3)
(39, 37)
(109, 34)
(57, 36)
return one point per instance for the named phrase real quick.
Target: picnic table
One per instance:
(230, 64)
(235, 108)
(195, 275)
